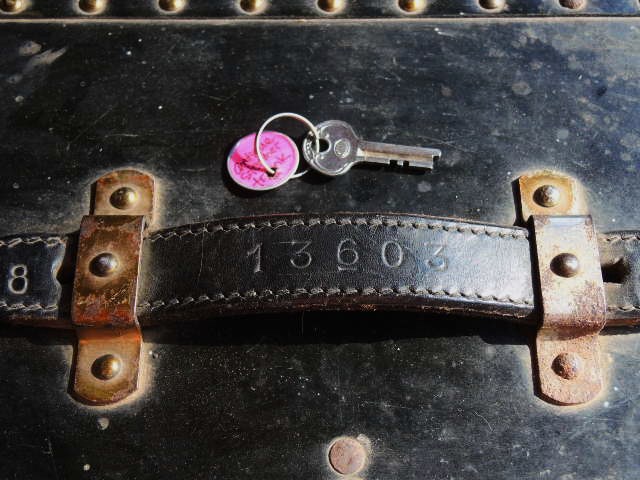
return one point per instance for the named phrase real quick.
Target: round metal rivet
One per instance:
(106, 367)
(492, 4)
(566, 265)
(573, 4)
(546, 195)
(124, 198)
(567, 365)
(104, 264)
(12, 6)
(253, 6)
(172, 6)
(92, 6)
(347, 456)
(331, 6)
(412, 6)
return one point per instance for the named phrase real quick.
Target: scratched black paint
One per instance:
(248, 398)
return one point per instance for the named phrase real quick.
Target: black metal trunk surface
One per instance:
(262, 397)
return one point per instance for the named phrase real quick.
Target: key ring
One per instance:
(294, 116)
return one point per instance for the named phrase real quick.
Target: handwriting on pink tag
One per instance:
(278, 150)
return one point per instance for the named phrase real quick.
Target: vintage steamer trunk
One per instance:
(474, 321)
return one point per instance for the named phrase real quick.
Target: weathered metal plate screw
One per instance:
(412, 6)
(546, 195)
(566, 265)
(92, 6)
(567, 365)
(124, 198)
(172, 6)
(492, 4)
(573, 4)
(106, 367)
(104, 264)
(12, 6)
(347, 456)
(331, 6)
(253, 6)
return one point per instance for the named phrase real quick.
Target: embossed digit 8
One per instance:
(18, 281)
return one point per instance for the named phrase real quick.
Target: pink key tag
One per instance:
(280, 153)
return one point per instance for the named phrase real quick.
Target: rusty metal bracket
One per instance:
(570, 287)
(574, 307)
(105, 288)
(550, 193)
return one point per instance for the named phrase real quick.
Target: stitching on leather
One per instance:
(373, 222)
(49, 241)
(26, 308)
(635, 237)
(331, 291)
(623, 308)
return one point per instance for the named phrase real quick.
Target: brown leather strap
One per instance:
(344, 261)
(302, 262)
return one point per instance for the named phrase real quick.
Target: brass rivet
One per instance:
(106, 367)
(331, 6)
(492, 4)
(92, 6)
(412, 6)
(547, 195)
(565, 265)
(104, 264)
(12, 6)
(567, 365)
(573, 4)
(347, 456)
(124, 198)
(172, 6)
(253, 6)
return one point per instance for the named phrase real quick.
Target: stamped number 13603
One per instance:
(348, 255)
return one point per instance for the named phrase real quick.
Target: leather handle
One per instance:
(304, 262)
(342, 261)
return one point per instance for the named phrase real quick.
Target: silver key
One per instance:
(345, 149)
